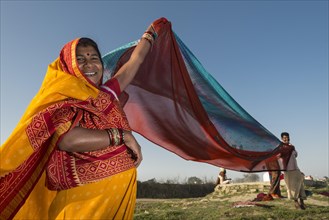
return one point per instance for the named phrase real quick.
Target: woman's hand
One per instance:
(151, 29)
(158, 24)
(128, 71)
(133, 147)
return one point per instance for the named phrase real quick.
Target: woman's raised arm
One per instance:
(128, 71)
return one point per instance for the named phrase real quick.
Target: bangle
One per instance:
(153, 34)
(109, 133)
(122, 136)
(116, 136)
(148, 37)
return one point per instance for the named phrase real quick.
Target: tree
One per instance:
(251, 177)
(150, 181)
(194, 180)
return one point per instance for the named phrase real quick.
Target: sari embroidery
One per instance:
(24, 178)
(70, 169)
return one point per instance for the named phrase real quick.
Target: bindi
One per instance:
(88, 54)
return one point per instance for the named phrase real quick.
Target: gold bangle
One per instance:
(109, 134)
(148, 37)
(115, 135)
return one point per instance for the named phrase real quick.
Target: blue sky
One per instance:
(271, 56)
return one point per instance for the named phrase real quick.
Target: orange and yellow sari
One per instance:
(38, 181)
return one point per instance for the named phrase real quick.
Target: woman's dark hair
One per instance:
(84, 41)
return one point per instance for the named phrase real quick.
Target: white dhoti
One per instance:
(295, 184)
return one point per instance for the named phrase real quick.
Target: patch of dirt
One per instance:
(244, 197)
(314, 201)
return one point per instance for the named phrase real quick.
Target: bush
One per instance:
(153, 189)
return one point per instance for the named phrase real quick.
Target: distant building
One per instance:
(266, 177)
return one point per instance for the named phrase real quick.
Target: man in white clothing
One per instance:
(293, 177)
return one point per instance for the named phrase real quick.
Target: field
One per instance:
(214, 206)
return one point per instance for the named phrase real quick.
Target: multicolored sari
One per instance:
(175, 103)
(65, 99)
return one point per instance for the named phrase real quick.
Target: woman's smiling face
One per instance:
(90, 63)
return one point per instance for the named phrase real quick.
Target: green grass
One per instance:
(212, 207)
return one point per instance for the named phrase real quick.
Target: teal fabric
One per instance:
(236, 126)
(111, 58)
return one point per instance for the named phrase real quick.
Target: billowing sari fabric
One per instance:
(175, 103)
(29, 158)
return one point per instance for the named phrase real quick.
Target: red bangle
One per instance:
(116, 136)
(122, 141)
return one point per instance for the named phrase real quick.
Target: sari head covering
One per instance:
(26, 152)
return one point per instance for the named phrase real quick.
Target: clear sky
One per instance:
(271, 56)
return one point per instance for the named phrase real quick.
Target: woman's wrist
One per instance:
(150, 35)
(116, 136)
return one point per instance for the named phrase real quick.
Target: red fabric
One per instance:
(164, 108)
(70, 169)
(114, 85)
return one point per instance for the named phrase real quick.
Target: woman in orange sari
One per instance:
(73, 156)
